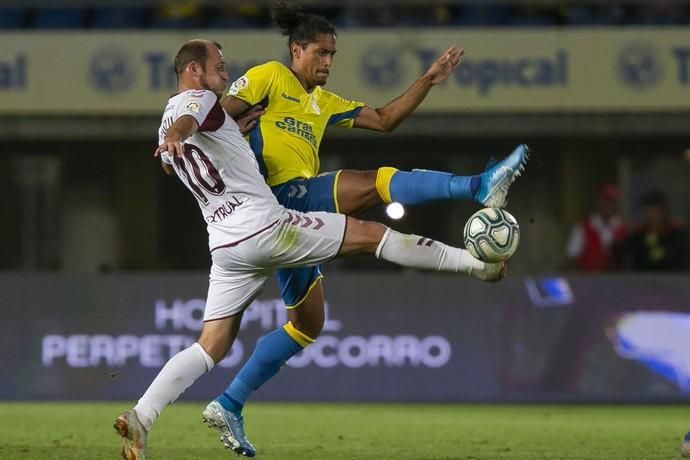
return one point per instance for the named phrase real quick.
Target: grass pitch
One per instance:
(358, 431)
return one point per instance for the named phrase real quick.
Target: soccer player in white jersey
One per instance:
(250, 235)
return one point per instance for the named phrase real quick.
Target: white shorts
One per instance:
(239, 272)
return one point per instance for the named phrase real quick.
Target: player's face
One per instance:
(314, 62)
(214, 77)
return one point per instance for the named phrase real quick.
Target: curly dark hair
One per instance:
(298, 26)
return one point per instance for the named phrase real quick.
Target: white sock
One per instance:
(424, 253)
(178, 374)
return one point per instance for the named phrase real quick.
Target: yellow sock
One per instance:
(300, 337)
(383, 182)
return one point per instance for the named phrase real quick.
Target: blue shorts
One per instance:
(315, 194)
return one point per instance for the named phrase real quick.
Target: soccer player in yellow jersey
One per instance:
(286, 139)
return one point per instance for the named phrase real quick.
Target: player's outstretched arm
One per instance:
(392, 114)
(234, 106)
(249, 119)
(245, 116)
(183, 127)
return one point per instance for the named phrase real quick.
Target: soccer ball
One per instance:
(491, 235)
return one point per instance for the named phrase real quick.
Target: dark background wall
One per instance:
(389, 337)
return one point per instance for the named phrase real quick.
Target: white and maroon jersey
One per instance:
(220, 170)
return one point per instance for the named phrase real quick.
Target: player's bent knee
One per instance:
(369, 232)
(310, 325)
(216, 349)
(370, 176)
(307, 315)
(361, 237)
(298, 336)
(384, 175)
(217, 337)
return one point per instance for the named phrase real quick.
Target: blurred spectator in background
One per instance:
(366, 15)
(595, 243)
(658, 242)
(171, 14)
(178, 14)
(236, 15)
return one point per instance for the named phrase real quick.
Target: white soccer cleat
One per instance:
(491, 272)
(133, 435)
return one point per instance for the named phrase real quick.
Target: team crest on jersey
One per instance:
(192, 107)
(314, 105)
(238, 85)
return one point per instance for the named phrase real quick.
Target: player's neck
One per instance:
(302, 81)
(181, 87)
(189, 82)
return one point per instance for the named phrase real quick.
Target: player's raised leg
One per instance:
(414, 251)
(315, 238)
(358, 191)
(359, 237)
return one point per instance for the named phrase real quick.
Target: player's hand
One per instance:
(248, 120)
(173, 147)
(445, 64)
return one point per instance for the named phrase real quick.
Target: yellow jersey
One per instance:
(287, 137)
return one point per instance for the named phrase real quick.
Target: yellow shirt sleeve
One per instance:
(255, 84)
(343, 112)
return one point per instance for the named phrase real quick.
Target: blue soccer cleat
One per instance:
(231, 428)
(685, 448)
(499, 176)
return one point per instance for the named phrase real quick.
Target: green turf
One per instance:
(358, 431)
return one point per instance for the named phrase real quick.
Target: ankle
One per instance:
(230, 404)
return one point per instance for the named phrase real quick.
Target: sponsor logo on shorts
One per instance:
(297, 191)
(305, 221)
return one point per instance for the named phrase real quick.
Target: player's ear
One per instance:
(193, 67)
(296, 50)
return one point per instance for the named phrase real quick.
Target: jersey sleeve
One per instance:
(343, 112)
(204, 107)
(255, 85)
